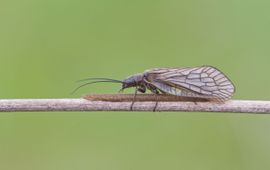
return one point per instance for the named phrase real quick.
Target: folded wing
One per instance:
(204, 81)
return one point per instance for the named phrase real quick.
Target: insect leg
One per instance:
(156, 92)
(142, 89)
(134, 97)
(156, 104)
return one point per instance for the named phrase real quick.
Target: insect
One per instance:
(203, 82)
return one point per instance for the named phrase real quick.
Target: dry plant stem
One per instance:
(141, 104)
(141, 97)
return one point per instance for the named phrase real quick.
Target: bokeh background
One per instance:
(45, 45)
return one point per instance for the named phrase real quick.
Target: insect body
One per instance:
(202, 82)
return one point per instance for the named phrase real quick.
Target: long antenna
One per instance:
(101, 81)
(98, 78)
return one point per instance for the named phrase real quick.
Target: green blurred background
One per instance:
(46, 45)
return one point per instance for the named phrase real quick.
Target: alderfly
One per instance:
(203, 82)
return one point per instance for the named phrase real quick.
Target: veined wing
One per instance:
(204, 81)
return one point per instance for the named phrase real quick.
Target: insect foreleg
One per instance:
(134, 97)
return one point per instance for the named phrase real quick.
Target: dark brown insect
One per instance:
(202, 82)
